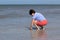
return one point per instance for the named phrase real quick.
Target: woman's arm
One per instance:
(32, 23)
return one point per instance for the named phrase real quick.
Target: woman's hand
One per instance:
(30, 27)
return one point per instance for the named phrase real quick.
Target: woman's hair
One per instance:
(31, 11)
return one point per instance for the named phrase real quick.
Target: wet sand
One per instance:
(16, 26)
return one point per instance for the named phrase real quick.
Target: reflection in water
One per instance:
(39, 35)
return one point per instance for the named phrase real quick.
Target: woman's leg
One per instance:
(37, 27)
(35, 24)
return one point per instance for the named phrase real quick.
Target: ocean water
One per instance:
(15, 22)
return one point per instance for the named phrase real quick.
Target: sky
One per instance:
(29, 1)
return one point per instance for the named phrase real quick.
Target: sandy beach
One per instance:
(15, 21)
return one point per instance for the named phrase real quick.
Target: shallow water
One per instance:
(15, 21)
